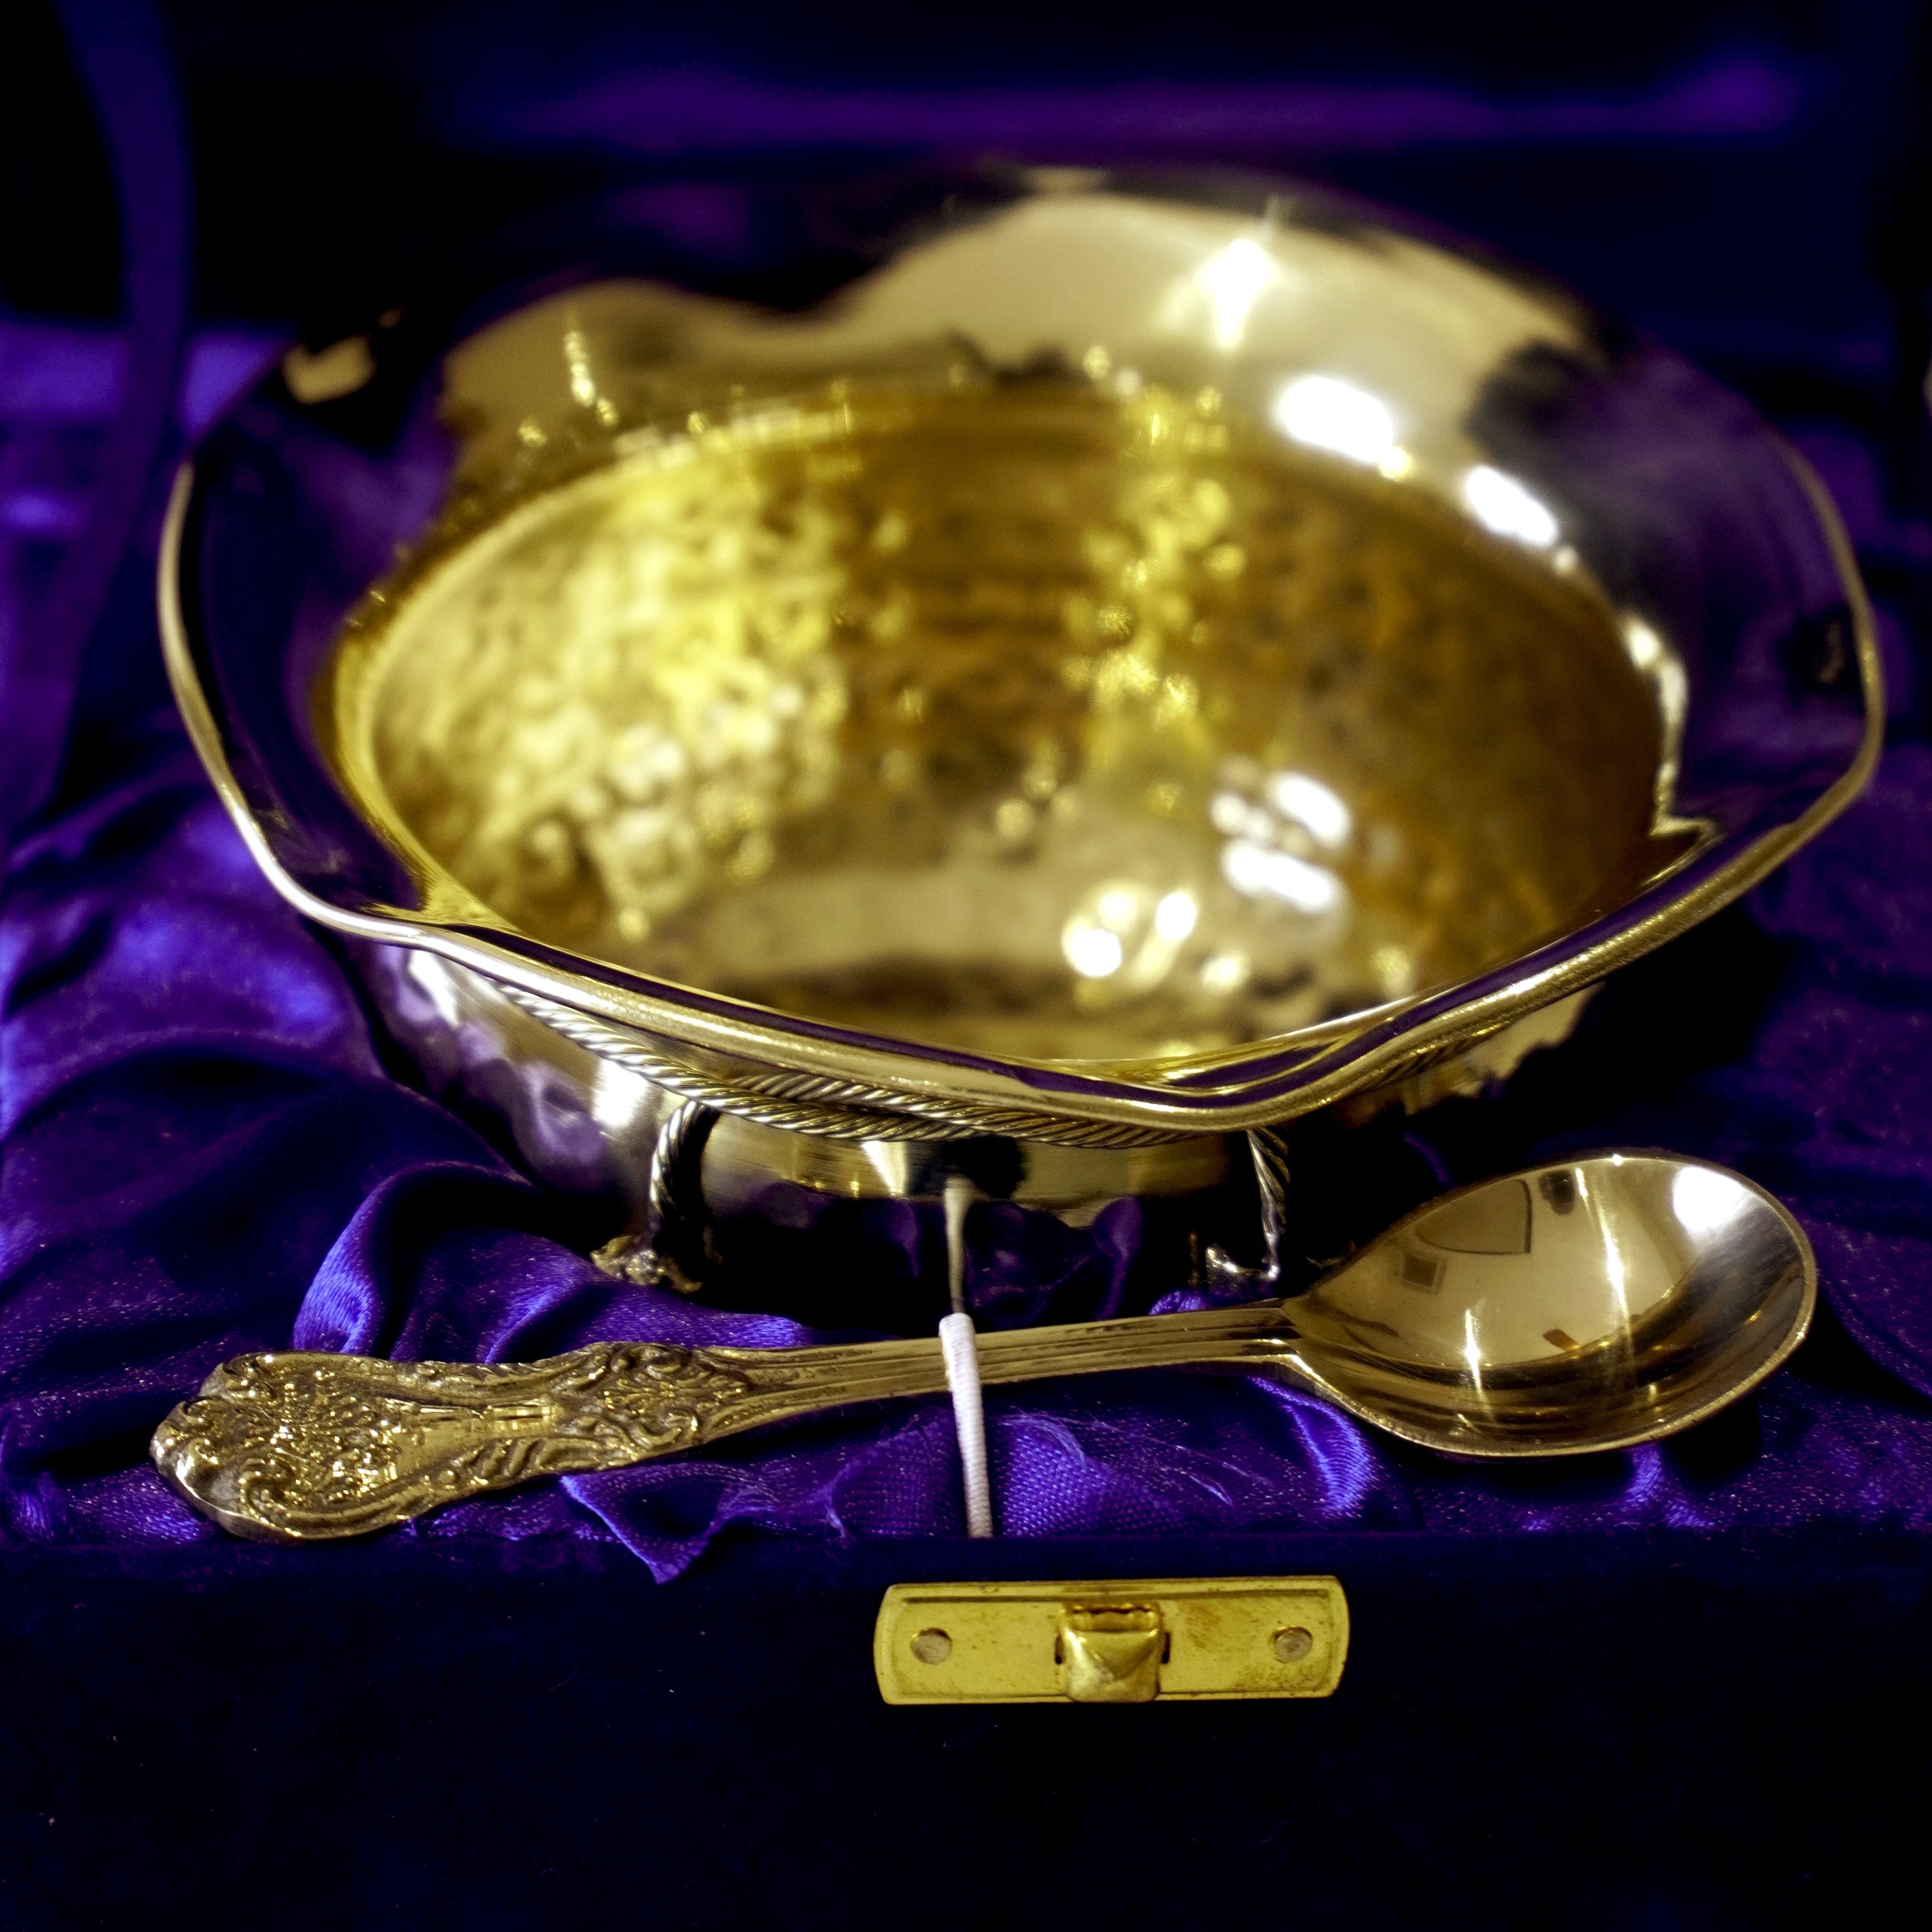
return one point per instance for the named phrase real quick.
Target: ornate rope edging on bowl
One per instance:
(843, 1110)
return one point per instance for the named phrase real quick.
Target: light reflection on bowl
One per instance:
(1022, 718)
(1131, 664)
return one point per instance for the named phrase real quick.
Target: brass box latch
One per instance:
(1171, 1638)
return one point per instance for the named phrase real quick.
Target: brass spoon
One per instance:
(1592, 1304)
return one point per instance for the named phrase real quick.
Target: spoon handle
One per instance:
(296, 1448)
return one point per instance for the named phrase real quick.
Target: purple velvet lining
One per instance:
(206, 1150)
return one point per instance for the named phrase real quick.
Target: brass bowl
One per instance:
(1131, 663)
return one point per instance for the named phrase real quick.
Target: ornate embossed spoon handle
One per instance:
(298, 1447)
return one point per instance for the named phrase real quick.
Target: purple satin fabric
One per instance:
(208, 1149)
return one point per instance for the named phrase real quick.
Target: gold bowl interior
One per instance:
(1022, 717)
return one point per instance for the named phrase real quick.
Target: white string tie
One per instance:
(959, 1346)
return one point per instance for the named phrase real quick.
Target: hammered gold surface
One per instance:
(1021, 717)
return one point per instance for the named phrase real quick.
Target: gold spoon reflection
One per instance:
(1588, 1305)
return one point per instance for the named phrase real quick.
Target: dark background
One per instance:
(1750, 180)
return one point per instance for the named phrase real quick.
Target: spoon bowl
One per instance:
(1591, 1304)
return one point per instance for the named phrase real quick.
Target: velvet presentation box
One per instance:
(1646, 1728)
(1690, 1685)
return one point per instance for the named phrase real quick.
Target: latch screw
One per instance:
(933, 1646)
